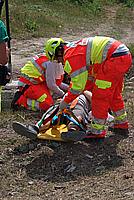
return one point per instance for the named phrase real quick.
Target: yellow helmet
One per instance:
(50, 47)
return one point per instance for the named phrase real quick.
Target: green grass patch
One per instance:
(54, 18)
(45, 18)
(131, 47)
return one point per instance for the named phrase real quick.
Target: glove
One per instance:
(63, 105)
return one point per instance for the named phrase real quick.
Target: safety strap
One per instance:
(46, 117)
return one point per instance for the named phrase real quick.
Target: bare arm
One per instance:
(3, 53)
(3, 44)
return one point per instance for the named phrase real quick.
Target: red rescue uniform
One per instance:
(41, 84)
(98, 64)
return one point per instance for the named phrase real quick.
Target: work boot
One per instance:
(77, 135)
(29, 131)
(73, 136)
(73, 127)
(34, 129)
(14, 105)
(121, 131)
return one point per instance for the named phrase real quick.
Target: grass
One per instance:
(39, 18)
(131, 47)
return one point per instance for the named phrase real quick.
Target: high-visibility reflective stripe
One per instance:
(78, 78)
(106, 48)
(33, 104)
(67, 67)
(97, 48)
(121, 119)
(32, 80)
(122, 49)
(103, 47)
(41, 79)
(79, 71)
(98, 121)
(37, 105)
(79, 81)
(30, 70)
(88, 51)
(97, 126)
(120, 116)
(21, 83)
(37, 66)
(42, 98)
(36, 57)
(119, 112)
(103, 84)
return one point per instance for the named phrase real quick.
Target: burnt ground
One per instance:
(37, 170)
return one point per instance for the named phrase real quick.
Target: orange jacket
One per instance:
(83, 57)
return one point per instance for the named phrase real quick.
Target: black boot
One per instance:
(34, 129)
(120, 131)
(29, 131)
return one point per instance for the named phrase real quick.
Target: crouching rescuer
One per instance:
(40, 79)
(97, 64)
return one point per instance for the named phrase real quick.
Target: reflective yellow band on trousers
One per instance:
(33, 105)
(103, 84)
(98, 126)
(121, 117)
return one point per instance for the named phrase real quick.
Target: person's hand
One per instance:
(59, 100)
(62, 105)
(88, 95)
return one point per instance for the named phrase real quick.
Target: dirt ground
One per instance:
(39, 170)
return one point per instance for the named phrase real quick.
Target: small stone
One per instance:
(30, 182)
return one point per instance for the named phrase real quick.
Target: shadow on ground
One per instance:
(67, 161)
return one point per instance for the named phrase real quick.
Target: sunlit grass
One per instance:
(51, 18)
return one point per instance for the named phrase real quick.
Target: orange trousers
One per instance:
(112, 70)
(34, 92)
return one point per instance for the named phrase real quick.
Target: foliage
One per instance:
(39, 18)
(129, 3)
(131, 47)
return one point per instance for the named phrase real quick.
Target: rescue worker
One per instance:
(99, 65)
(39, 80)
